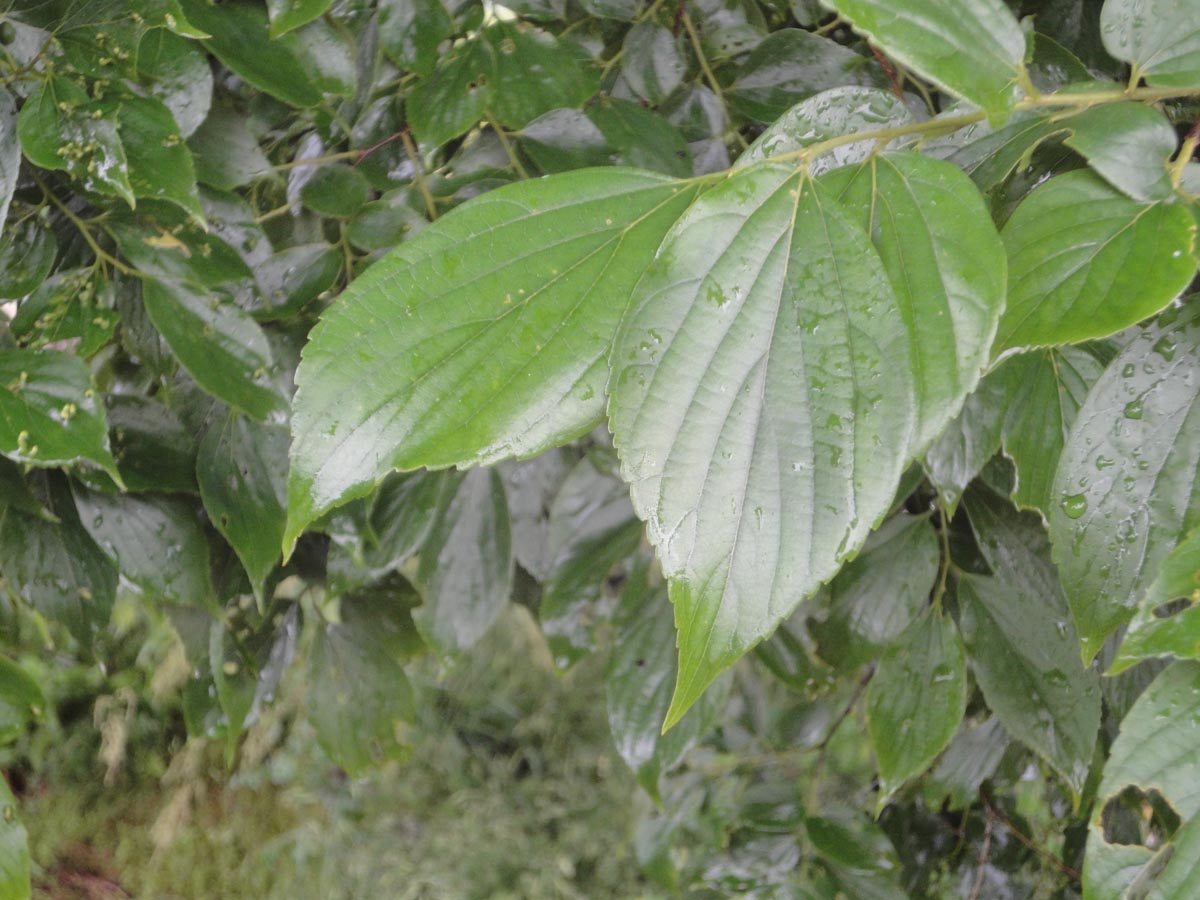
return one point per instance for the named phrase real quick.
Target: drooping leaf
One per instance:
(531, 486)
(1045, 390)
(10, 153)
(972, 48)
(1156, 750)
(1160, 38)
(411, 30)
(49, 413)
(466, 566)
(244, 489)
(1128, 144)
(1160, 627)
(1085, 261)
(830, 114)
(761, 404)
(160, 164)
(508, 312)
(879, 593)
(286, 15)
(155, 540)
(1126, 489)
(916, 700)
(945, 263)
(218, 343)
(360, 695)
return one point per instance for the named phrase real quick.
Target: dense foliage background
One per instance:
(886, 304)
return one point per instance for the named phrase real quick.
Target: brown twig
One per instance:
(890, 71)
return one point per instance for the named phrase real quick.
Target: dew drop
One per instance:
(1074, 505)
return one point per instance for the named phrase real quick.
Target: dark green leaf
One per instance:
(1085, 261)
(226, 152)
(384, 223)
(402, 516)
(288, 14)
(10, 153)
(483, 367)
(1126, 489)
(72, 303)
(652, 61)
(451, 100)
(761, 403)
(49, 414)
(640, 137)
(1159, 38)
(411, 30)
(968, 442)
(156, 541)
(1046, 389)
(153, 449)
(160, 164)
(360, 696)
(244, 490)
(466, 570)
(879, 594)
(792, 65)
(971, 758)
(973, 48)
(336, 190)
(220, 345)
(532, 74)
(27, 253)
(179, 75)
(293, 278)
(989, 155)
(1128, 144)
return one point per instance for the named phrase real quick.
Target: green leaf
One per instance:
(652, 61)
(508, 313)
(21, 701)
(60, 128)
(466, 569)
(945, 263)
(27, 254)
(218, 343)
(1045, 390)
(293, 278)
(591, 528)
(989, 155)
(1085, 261)
(244, 490)
(972, 48)
(178, 74)
(1153, 632)
(402, 516)
(238, 36)
(830, 114)
(761, 404)
(360, 697)
(532, 73)
(1126, 489)
(55, 566)
(411, 30)
(968, 442)
(49, 413)
(10, 153)
(1128, 144)
(288, 14)
(791, 65)
(1160, 38)
(160, 164)
(153, 449)
(640, 137)
(451, 100)
(1156, 750)
(155, 540)
(916, 700)
(336, 190)
(971, 759)
(15, 865)
(879, 593)
(226, 153)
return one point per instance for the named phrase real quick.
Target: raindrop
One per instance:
(1074, 505)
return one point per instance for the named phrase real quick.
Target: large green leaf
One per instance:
(1152, 632)
(916, 700)
(49, 413)
(1160, 38)
(946, 265)
(466, 567)
(1156, 750)
(508, 307)
(973, 48)
(1045, 390)
(1126, 490)
(218, 343)
(1129, 144)
(244, 489)
(761, 405)
(1085, 261)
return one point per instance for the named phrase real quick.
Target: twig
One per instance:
(508, 147)
(419, 174)
(888, 70)
(981, 868)
(1186, 151)
(1027, 842)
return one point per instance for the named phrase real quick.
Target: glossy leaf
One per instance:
(179, 75)
(972, 48)
(466, 569)
(360, 696)
(226, 152)
(221, 346)
(1160, 627)
(152, 447)
(335, 191)
(640, 137)
(652, 61)
(1160, 38)
(532, 73)
(244, 490)
(945, 263)
(27, 254)
(971, 759)
(160, 164)
(830, 114)
(1128, 144)
(411, 30)
(155, 540)
(989, 155)
(508, 315)
(531, 486)
(1046, 389)
(962, 450)
(288, 14)
(916, 700)
(1126, 489)
(879, 593)
(760, 404)
(10, 153)
(1085, 261)
(49, 413)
